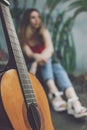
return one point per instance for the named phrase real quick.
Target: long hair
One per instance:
(24, 25)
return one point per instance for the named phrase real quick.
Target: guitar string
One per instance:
(17, 52)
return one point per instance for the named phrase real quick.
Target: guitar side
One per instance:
(14, 104)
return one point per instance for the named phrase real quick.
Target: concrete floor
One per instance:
(62, 121)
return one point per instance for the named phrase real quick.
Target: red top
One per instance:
(37, 48)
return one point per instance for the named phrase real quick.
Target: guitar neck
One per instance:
(12, 40)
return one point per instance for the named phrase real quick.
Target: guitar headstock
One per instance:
(5, 2)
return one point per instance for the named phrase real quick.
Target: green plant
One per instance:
(60, 30)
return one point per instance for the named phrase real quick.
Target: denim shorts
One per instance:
(56, 72)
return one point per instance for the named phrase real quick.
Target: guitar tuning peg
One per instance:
(5, 2)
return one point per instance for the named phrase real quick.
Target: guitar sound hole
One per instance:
(34, 117)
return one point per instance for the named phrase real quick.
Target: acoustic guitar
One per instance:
(23, 97)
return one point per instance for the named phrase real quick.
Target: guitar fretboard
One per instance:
(19, 59)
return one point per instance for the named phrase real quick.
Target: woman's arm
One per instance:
(33, 68)
(29, 53)
(48, 51)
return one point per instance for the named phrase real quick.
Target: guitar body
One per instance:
(14, 104)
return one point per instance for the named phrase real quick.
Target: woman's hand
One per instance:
(40, 59)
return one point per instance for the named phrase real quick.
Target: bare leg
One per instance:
(80, 111)
(70, 93)
(51, 86)
(53, 89)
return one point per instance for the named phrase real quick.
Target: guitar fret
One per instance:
(10, 24)
(23, 77)
(19, 64)
(28, 88)
(9, 19)
(13, 39)
(26, 94)
(12, 36)
(30, 95)
(15, 42)
(10, 28)
(30, 92)
(21, 69)
(19, 58)
(24, 84)
(23, 73)
(26, 81)
(31, 102)
(21, 61)
(11, 31)
(5, 10)
(16, 46)
(8, 15)
(30, 98)
(16, 49)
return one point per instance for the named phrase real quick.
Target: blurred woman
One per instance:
(37, 45)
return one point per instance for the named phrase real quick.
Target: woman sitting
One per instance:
(37, 45)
